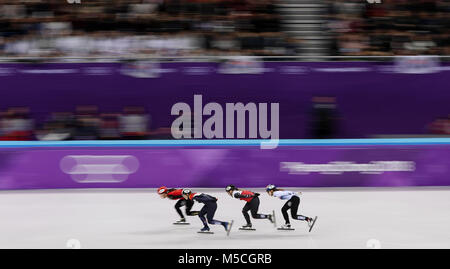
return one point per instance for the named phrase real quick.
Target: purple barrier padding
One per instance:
(218, 166)
(371, 99)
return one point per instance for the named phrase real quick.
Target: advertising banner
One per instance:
(370, 98)
(215, 166)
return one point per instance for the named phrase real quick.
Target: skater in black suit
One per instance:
(208, 210)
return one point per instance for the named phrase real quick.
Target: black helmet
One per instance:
(230, 188)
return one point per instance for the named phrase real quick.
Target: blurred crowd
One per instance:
(134, 123)
(135, 27)
(216, 27)
(86, 123)
(440, 126)
(394, 27)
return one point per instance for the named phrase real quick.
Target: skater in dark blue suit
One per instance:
(209, 209)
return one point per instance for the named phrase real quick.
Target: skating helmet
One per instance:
(270, 187)
(162, 190)
(186, 192)
(230, 188)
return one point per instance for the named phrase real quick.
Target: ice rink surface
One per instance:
(348, 218)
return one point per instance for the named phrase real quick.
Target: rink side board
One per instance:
(217, 163)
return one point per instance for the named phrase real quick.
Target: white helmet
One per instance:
(186, 192)
(270, 187)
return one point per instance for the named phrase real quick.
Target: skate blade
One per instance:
(209, 232)
(229, 227)
(247, 229)
(312, 225)
(274, 219)
(182, 223)
(285, 229)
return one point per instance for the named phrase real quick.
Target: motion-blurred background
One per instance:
(109, 72)
(223, 27)
(154, 36)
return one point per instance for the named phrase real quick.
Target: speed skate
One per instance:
(312, 224)
(285, 229)
(289, 228)
(228, 230)
(247, 228)
(181, 223)
(230, 225)
(205, 232)
(274, 219)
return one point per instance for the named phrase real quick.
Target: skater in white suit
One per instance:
(293, 201)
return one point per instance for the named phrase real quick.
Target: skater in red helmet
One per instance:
(175, 194)
(252, 205)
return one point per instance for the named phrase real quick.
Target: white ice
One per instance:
(348, 218)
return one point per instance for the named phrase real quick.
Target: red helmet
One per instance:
(162, 190)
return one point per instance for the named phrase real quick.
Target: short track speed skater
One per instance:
(209, 209)
(292, 204)
(252, 205)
